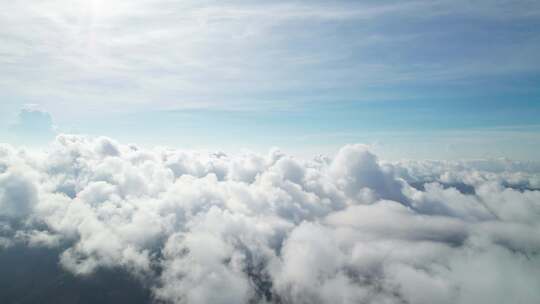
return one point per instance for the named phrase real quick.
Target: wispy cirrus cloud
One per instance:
(165, 54)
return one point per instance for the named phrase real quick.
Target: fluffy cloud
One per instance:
(215, 228)
(33, 126)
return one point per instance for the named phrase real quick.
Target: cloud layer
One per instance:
(214, 228)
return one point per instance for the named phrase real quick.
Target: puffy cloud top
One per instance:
(217, 228)
(33, 126)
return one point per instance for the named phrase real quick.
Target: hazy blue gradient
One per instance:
(418, 79)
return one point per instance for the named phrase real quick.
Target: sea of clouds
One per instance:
(199, 227)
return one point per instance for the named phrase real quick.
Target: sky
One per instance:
(270, 151)
(412, 79)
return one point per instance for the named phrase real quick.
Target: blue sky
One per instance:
(415, 79)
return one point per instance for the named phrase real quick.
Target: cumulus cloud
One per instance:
(33, 126)
(217, 228)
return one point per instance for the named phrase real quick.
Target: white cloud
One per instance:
(33, 126)
(217, 228)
